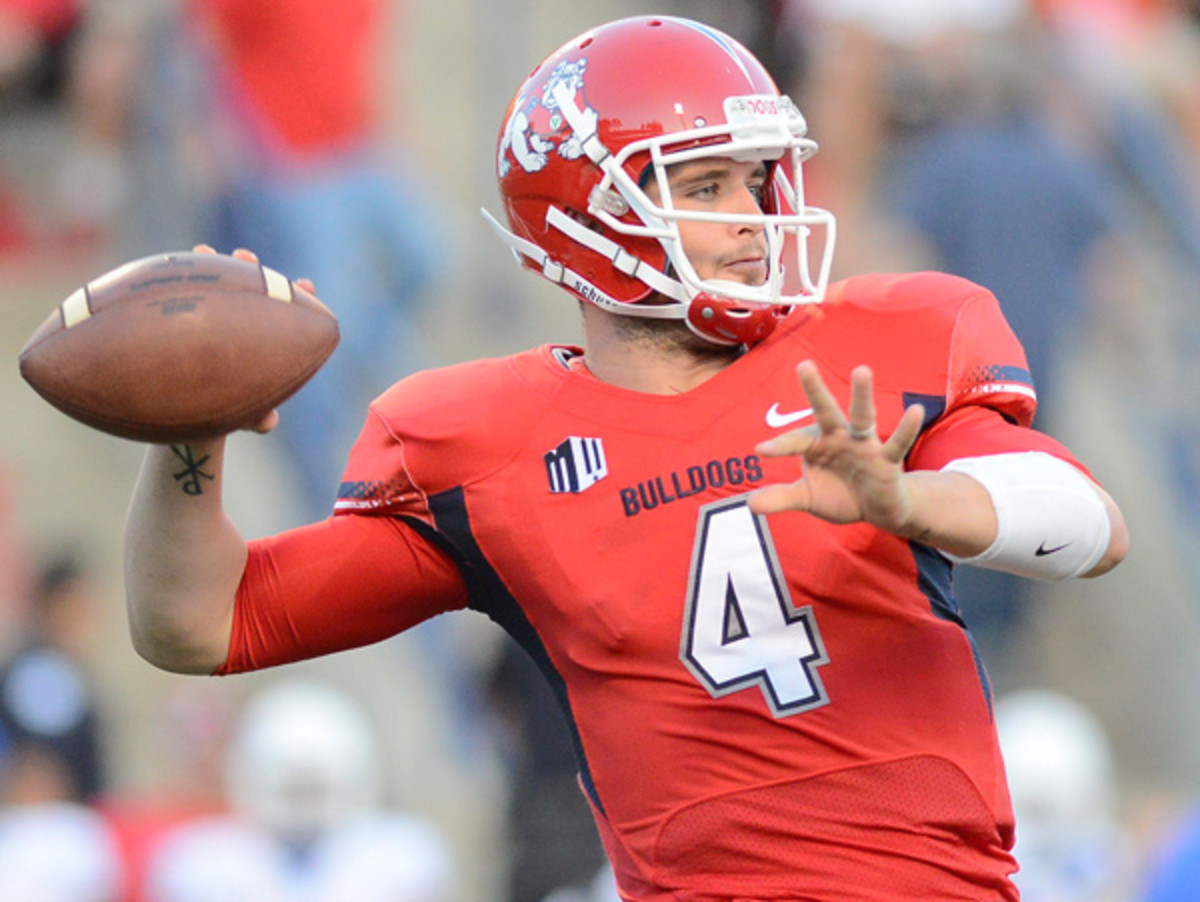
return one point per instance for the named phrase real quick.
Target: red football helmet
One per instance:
(613, 109)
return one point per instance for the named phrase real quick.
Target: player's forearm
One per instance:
(949, 511)
(1029, 514)
(183, 559)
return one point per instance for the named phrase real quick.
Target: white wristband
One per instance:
(1052, 524)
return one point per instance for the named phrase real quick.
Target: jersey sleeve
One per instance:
(380, 565)
(943, 337)
(987, 364)
(975, 431)
(377, 478)
(339, 584)
(990, 396)
(436, 431)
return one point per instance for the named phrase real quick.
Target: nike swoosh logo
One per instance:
(1042, 550)
(777, 420)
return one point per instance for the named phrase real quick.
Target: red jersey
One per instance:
(763, 708)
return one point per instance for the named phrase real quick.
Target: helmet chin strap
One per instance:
(621, 259)
(568, 278)
(723, 321)
(713, 316)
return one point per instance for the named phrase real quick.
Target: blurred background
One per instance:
(1049, 149)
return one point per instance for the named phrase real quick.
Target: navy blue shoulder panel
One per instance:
(935, 406)
(488, 595)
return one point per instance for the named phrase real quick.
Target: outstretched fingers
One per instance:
(858, 422)
(849, 472)
(828, 416)
(900, 442)
(861, 425)
(826, 412)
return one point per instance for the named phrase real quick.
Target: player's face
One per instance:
(720, 250)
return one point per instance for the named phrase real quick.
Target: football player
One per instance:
(725, 527)
(306, 819)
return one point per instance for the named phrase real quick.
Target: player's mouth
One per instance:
(752, 270)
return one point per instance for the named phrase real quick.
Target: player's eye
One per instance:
(704, 191)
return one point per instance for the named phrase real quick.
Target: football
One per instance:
(179, 346)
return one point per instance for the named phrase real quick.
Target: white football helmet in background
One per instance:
(304, 760)
(1070, 843)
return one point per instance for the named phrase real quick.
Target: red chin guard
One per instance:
(730, 322)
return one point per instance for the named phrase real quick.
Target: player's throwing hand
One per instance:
(849, 474)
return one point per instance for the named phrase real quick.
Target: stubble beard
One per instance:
(672, 338)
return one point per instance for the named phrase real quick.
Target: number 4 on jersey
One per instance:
(741, 628)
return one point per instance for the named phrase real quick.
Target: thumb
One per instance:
(775, 499)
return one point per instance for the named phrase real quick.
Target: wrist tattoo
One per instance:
(191, 476)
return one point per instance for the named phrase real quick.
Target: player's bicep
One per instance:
(342, 583)
(976, 431)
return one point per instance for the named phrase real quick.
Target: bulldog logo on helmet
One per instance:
(536, 123)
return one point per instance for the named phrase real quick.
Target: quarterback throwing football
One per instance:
(725, 528)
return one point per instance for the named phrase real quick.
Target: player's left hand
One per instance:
(849, 474)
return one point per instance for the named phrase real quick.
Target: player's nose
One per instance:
(745, 202)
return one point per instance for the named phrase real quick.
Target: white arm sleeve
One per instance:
(1052, 522)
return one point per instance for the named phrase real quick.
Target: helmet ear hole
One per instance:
(584, 219)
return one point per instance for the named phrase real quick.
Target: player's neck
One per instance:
(652, 356)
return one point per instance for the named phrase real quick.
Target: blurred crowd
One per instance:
(1048, 149)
